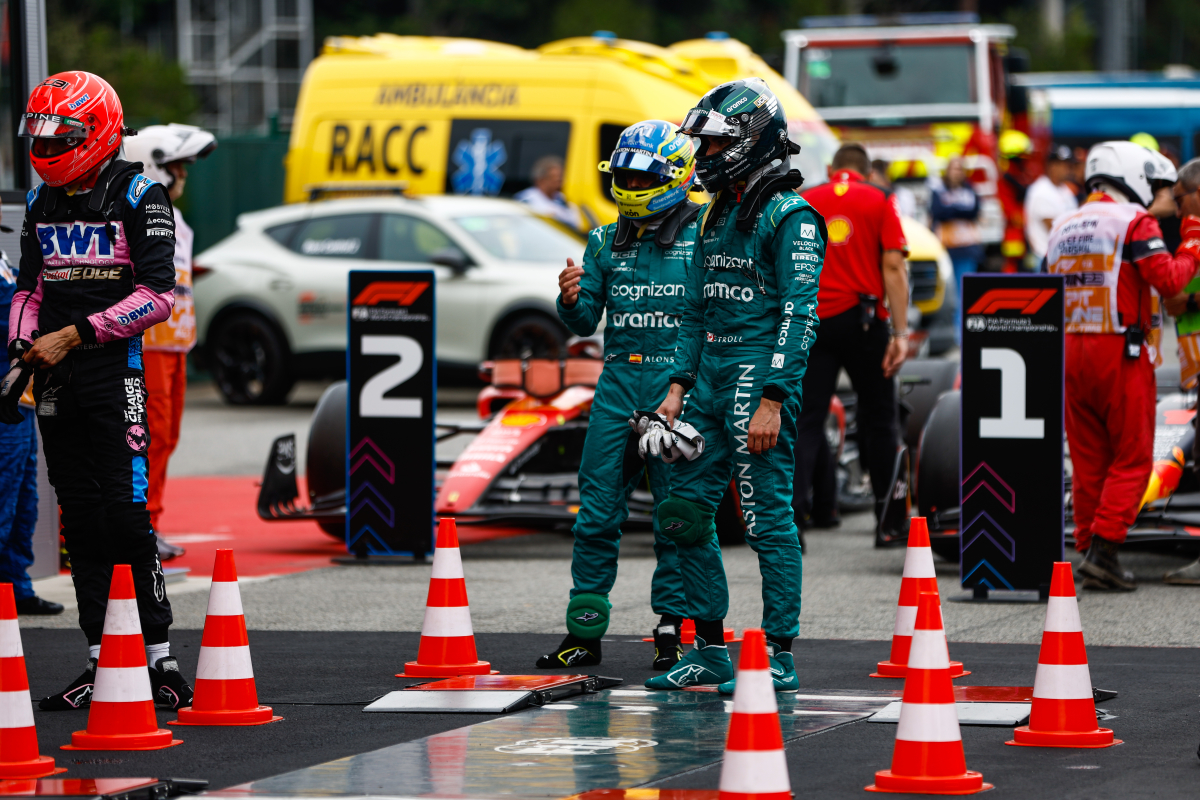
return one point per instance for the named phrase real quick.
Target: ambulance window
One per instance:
(404, 238)
(341, 236)
(610, 134)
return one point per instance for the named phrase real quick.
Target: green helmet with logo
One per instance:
(750, 114)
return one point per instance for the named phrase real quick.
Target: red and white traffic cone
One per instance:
(122, 712)
(225, 692)
(1064, 710)
(928, 757)
(19, 757)
(447, 644)
(918, 577)
(754, 767)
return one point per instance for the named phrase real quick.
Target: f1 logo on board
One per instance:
(404, 293)
(1023, 301)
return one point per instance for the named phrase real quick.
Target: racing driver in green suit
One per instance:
(749, 322)
(634, 270)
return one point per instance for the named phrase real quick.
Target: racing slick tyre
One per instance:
(529, 335)
(249, 359)
(937, 481)
(325, 456)
(936, 377)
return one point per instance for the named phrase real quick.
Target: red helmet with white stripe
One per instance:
(75, 122)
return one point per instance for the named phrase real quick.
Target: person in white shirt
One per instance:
(545, 197)
(1049, 197)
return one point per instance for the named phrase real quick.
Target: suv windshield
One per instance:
(517, 237)
(889, 75)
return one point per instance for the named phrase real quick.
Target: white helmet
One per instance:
(1131, 168)
(158, 145)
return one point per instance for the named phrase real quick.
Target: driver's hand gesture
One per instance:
(568, 282)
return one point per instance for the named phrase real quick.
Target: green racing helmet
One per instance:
(750, 114)
(652, 146)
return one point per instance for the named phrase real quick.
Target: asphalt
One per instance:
(318, 681)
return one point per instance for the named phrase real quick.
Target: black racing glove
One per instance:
(11, 387)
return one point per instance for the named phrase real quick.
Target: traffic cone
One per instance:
(122, 712)
(1064, 711)
(225, 693)
(754, 767)
(928, 757)
(447, 640)
(918, 577)
(19, 756)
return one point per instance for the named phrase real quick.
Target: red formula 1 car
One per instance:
(521, 468)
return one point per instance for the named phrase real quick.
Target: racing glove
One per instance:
(654, 436)
(11, 387)
(681, 440)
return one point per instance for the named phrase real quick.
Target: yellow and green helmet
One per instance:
(669, 158)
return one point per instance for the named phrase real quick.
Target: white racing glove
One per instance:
(681, 440)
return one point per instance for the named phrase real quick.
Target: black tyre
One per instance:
(325, 459)
(249, 359)
(922, 397)
(937, 482)
(530, 335)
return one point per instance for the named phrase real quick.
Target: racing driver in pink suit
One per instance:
(97, 269)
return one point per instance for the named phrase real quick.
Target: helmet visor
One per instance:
(703, 122)
(51, 126)
(642, 161)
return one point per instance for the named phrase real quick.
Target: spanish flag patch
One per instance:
(635, 358)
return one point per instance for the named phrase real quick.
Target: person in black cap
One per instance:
(1049, 197)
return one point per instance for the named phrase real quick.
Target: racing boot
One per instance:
(704, 665)
(168, 686)
(77, 695)
(667, 651)
(1102, 571)
(167, 551)
(783, 671)
(573, 652)
(37, 606)
(1186, 576)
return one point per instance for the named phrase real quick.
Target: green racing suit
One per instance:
(749, 322)
(642, 289)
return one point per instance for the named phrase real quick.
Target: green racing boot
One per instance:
(783, 672)
(704, 665)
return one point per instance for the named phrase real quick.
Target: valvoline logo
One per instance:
(137, 313)
(73, 243)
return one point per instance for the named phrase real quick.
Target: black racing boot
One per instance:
(36, 606)
(77, 695)
(573, 652)
(1102, 571)
(168, 686)
(667, 650)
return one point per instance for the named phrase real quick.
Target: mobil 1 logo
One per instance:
(1011, 434)
(391, 378)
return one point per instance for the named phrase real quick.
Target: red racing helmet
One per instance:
(75, 122)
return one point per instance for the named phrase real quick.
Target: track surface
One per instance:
(1155, 713)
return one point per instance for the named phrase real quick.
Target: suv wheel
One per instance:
(250, 360)
(529, 336)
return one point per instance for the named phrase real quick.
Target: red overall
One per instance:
(1110, 397)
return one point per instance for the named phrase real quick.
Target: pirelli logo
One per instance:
(1023, 301)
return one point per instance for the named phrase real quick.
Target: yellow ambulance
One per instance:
(458, 116)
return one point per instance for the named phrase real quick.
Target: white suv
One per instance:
(271, 297)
